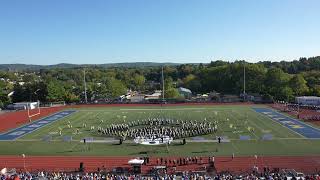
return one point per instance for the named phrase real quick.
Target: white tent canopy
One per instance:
(136, 161)
(6, 171)
(3, 171)
(153, 140)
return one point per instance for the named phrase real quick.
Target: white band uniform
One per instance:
(153, 140)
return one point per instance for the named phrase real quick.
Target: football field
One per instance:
(245, 131)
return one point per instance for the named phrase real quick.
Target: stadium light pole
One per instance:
(162, 85)
(162, 101)
(85, 86)
(298, 107)
(244, 80)
(36, 93)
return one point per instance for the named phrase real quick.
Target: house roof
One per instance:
(184, 90)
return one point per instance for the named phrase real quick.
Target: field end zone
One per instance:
(29, 128)
(295, 125)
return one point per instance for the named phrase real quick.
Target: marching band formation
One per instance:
(159, 127)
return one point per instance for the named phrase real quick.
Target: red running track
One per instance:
(306, 164)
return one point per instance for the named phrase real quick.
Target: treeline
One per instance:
(273, 80)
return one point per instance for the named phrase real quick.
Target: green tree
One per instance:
(316, 90)
(139, 81)
(30, 78)
(299, 85)
(192, 82)
(276, 80)
(56, 91)
(285, 94)
(115, 88)
(255, 76)
(70, 97)
(4, 99)
(188, 79)
(171, 93)
(20, 93)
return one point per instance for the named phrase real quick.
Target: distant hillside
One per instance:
(18, 67)
(31, 67)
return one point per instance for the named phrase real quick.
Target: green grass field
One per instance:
(233, 121)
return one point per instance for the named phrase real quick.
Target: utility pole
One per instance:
(298, 107)
(244, 80)
(38, 101)
(162, 85)
(85, 86)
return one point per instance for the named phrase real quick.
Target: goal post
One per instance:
(33, 109)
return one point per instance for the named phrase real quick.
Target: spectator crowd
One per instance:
(164, 176)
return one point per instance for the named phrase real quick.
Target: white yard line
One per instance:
(252, 132)
(171, 109)
(279, 123)
(296, 120)
(38, 132)
(40, 127)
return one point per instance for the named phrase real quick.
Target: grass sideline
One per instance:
(240, 148)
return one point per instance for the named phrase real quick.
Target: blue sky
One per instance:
(111, 31)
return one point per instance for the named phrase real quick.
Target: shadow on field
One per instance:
(176, 144)
(68, 151)
(199, 152)
(132, 144)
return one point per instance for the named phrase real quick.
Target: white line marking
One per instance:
(278, 123)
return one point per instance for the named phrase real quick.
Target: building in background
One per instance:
(186, 93)
(155, 96)
(23, 105)
(308, 100)
(138, 98)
